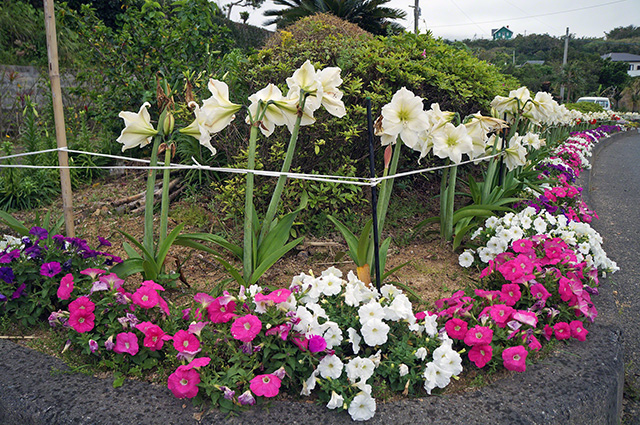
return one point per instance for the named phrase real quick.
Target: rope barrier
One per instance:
(326, 178)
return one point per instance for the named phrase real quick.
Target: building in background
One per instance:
(632, 60)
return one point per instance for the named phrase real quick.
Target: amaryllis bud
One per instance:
(169, 122)
(387, 156)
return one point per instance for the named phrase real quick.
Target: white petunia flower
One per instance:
(336, 401)
(375, 332)
(403, 370)
(362, 407)
(330, 367)
(371, 310)
(466, 258)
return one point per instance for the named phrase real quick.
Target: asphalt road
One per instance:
(614, 193)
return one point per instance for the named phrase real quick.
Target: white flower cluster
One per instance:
(10, 242)
(499, 233)
(375, 311)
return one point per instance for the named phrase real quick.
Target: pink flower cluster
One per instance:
(531, 288)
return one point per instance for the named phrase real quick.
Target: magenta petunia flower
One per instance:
(82, 321)
(279, 295)
(204, 299)
(265, 385)
(533, 343)
(478, 335)
(199, 362)
(526, 317)
(50, 269)
(317, 344)
(112, 280)
(219, 312)
(578, 331)
(183, 383)
(93, 273)
(480, 355)
(562, 330)
(82, 303)
(515, 358)
(547, 332)
(145, 297)
(524, 246)
(151, 284)
(456, 328)
(246, 328)
(126, 342)
(539, 292)
(154, 336)
(510, 294)
(183, 341)
(66, 287)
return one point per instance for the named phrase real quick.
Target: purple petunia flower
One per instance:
(66, 266)
(103, 242)
(33, 252)
(39, 233)
(6, 274)
(18, 292)
(3, 298)
(50, 269)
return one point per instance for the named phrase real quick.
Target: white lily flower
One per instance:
(138, 130)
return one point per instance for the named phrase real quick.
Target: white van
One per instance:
(602, 101)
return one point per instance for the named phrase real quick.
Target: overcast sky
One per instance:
(461, 19)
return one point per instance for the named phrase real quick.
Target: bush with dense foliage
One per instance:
(584, 107)
(373, 67)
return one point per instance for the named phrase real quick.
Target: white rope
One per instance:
(359, 181)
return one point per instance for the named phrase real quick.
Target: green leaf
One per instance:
(163, 249)
(128, 267)
(271, 259)
(118, 379)
(363, 243)
(277, 236)
(14, 223)
(215, 239)
(350, 238)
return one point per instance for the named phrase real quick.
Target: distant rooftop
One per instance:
(622, 57)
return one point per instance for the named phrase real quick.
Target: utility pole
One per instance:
(416, 16)
(564, 63)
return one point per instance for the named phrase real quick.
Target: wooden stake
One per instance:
(58, 114)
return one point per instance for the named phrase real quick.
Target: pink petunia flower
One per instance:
(92, 273)
(456, 328)
(578, 331)
(246, 328)
(183, 383)
(183, 341)
(562, 330)
(145, 297)
(82, 321)
(548, 332)
(112, 280)
(93, 345)
(533, 343)
(219, 313)
(480, 355)
(126, 342)
(514, 358)
(154, 336)
(82, 303)
(317, 344)
(539, 292)
(279, 295)
(246, 399)
(526, 317)
(501, 314)
(478, 335)
(66, 287)
(524, 246)
(510, 294)
(265, 385)
(204, 299)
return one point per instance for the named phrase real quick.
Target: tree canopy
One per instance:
(369, 15)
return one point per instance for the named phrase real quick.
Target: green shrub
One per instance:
(374, 67)
(585, 107)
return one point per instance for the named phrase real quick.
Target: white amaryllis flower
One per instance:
(362, 407)
(137, 130)
(198, 128)
(331, 96)
(375, 332)
(336, 401)
(452, 142)
(516, 100)
(330, 367)
(404, 116)
(218, 110)
(305, 78)
(281, 111)
(533, 140)
(515, 154)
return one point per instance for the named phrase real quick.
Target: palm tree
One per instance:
(369, 15)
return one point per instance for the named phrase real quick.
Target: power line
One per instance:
(531, 16)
